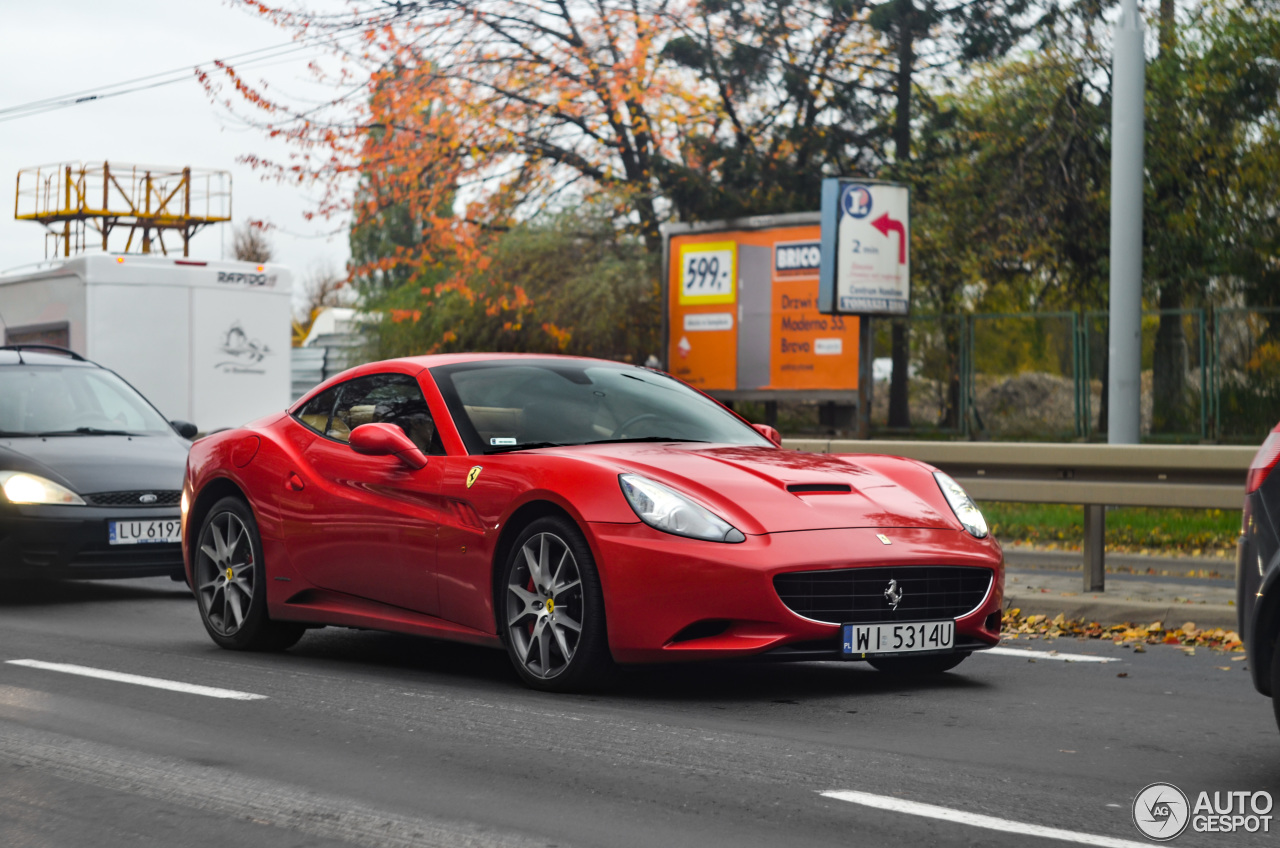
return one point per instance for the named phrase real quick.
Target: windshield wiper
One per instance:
(646, 439)
(524, 446)
(86, 431)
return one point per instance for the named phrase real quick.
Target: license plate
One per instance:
(904, 638)
(157, 531)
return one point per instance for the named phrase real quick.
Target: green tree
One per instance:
(930, 37)
(1012, 178)
(1009, 188)
(1213, 149)
(570, 283)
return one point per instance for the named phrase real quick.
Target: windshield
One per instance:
(509, 405)
(63, 400)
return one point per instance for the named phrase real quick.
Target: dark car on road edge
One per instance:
(1258, 569)
(90, 472)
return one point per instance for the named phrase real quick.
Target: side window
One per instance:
(316, 413)
(386, 398)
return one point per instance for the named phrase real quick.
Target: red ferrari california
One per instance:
(578, 513)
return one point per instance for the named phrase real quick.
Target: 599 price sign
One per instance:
(708, 272)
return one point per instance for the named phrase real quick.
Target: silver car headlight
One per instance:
(671, 512)
(23, 488)
(962, 505)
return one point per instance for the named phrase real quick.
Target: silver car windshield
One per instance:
(48, 400)
(503, 406)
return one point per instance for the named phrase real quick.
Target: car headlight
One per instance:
(671, 512)
(962, 505)
(22, 488)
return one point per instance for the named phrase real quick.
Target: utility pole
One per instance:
(1128, 85)
(1124, 367)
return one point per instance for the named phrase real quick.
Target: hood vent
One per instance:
(819, 488)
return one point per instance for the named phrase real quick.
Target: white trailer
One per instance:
(206, 342)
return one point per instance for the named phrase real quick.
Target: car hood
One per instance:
(770, 490)
(89, 464)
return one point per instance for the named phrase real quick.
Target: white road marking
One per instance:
(1048, 655)
(914, 808)
(138, 680)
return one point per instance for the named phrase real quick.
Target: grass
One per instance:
(1195, 532)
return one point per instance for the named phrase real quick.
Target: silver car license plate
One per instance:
(904, 638)
(149, 532)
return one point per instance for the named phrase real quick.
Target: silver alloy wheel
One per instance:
(224, 567)
(544, 605)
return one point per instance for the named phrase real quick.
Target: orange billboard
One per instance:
(742, 311)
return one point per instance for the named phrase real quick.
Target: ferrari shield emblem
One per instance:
(473, 474)
(884, 540)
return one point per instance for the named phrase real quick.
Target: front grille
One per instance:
(857, 595)
(163, 498)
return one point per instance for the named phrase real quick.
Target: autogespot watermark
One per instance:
(1162, 812)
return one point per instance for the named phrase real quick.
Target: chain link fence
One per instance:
(1206, 375)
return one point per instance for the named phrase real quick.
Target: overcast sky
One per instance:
(51, 49)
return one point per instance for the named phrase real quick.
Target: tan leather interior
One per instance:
(494, 422)
(362, 414)
(315, 422)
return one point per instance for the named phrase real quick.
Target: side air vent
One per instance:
(813, 488)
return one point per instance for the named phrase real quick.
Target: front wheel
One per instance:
(918, 666)
(1275, 680)
(231, 583)
(551, 614)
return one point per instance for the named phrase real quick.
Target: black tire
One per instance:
(1275, 680)
(231, 582)
(918, 666)
(537, 633)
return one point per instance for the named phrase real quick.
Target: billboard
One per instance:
(866, 246)
(742, 310)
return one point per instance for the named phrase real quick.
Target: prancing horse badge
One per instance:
(473, 474)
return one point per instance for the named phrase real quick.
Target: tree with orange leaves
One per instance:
(477, 113)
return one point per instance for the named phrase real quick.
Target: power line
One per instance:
(150, 81)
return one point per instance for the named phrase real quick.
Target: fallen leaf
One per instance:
(1014, 626)
(1123, 674)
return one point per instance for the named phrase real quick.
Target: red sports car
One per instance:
(577, 513)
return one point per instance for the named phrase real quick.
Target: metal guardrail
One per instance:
(1096, 476)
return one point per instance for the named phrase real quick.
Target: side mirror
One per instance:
(386, 440)
(185, 429)
(769, 433)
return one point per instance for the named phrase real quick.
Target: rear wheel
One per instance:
(552, 609)
(231, 585)
(918, 666)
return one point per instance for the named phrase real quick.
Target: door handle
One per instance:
(294, 482)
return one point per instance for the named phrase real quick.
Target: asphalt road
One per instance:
(362, 738)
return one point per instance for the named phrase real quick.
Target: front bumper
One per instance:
(61, 542)
(669, 598)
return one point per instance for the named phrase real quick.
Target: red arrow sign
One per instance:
(885, 225)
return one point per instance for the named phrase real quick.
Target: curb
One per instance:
(1109, 611)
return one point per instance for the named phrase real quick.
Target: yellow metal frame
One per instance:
(146, 200)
